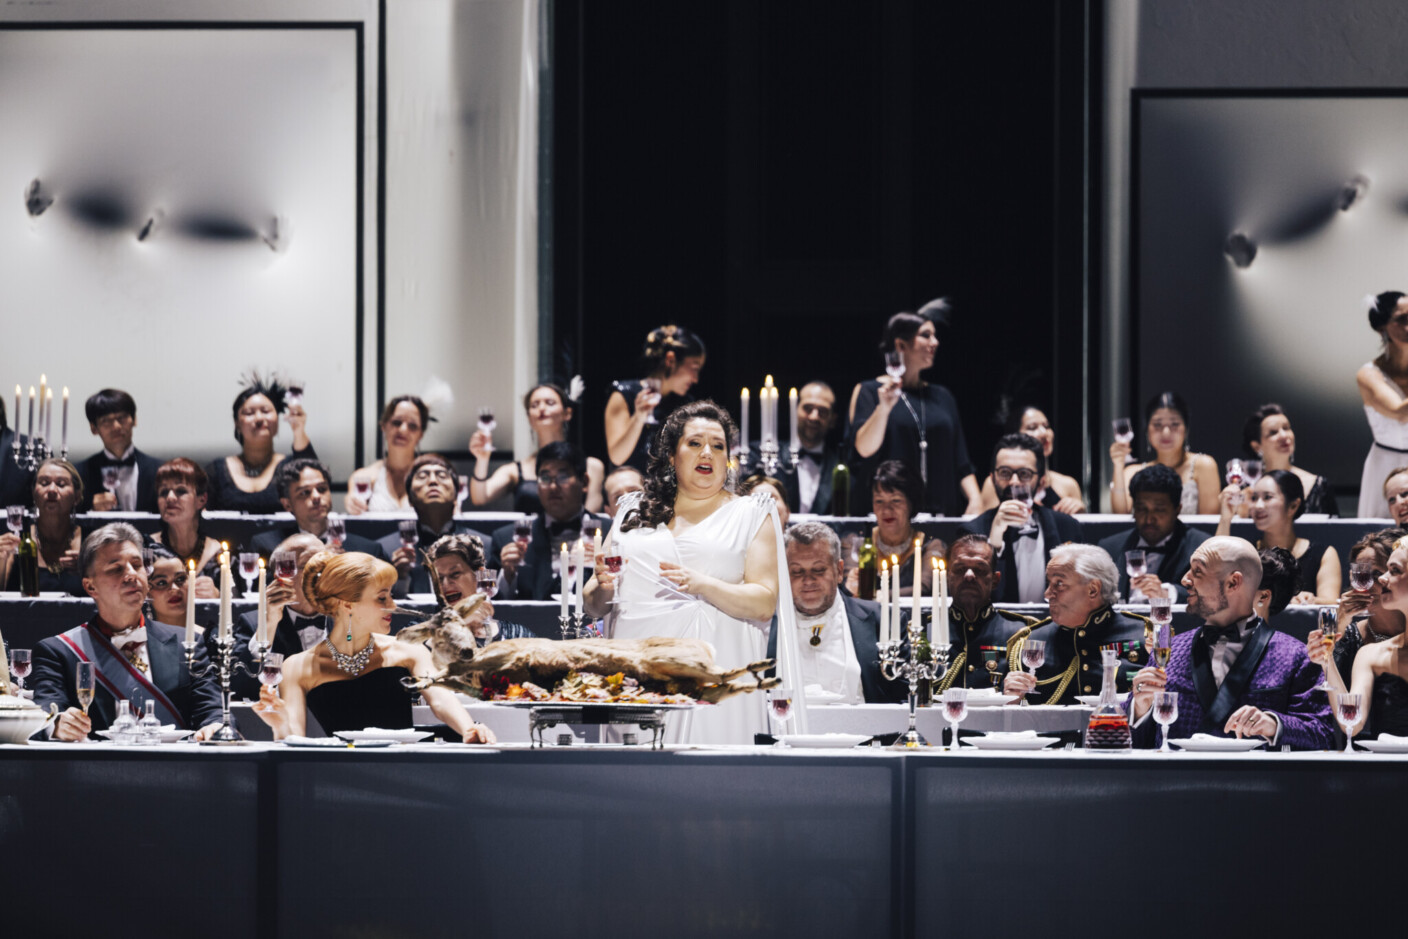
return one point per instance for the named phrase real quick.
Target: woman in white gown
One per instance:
(1383, 386)
(701, 563)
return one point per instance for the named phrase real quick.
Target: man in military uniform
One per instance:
(1082, 582)
(978, 630)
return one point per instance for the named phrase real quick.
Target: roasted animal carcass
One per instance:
(659, 665)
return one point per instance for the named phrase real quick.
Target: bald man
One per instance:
(1235, 676)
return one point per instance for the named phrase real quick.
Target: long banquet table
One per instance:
(447, 840)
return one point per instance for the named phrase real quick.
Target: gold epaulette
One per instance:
(953, 672)
(1148, 629)
(1016, 617)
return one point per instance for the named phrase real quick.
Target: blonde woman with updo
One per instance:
(352, 679)
(635, 409)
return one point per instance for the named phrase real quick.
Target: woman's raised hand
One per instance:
(1119, 453)
(889, 392)
(1229, 499)
(206, 589)
(272, 710)
(481, 445)
(1315, 648)
(645, 402)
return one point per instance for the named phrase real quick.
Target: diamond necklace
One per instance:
(355, 663)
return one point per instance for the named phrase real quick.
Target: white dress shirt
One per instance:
(126, 491)
(1153, 557)
(808, 479)
(1029, 554)
(832, 664)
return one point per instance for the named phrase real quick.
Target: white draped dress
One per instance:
(650, 605)
(1388, 452)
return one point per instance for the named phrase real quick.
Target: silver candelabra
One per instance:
(895, 665)
(225, 661)
(32, 452)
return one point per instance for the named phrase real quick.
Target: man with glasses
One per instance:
(531, 572)
(112, 415)
(431, 487)
(1022, 538)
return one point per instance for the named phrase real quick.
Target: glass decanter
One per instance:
(1109, 725)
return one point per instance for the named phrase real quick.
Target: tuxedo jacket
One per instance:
(787, 473)
(198, 699)
(1057, 528)
(863, 618)
(267, 541)
(535, 580)
(91, 471)
(1272, 673)
(286, 643)
(417, 578)
(1177, 555)
(16, 485)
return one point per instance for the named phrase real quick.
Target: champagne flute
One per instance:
(955, 710)
(1165, 713)
(1329, 633)
(409, 536)
(894, 364)
(271, 672)
(337, 530)
(20, 666)
(285, 566)
(1236, 476)
(249, 568)
(1033, 657)
(84, 685)
(14, 518)
(1361, 576)
(654, 385)
(1022, 492)
(1347, 705)
(780, 704)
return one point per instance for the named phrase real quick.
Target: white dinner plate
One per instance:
(1219, 744)
(1383, 746)
(990, 700)
(372, 734)
(1091, 700)
(1010, 742)
(167, 736)
(332, 743)
(824, 741)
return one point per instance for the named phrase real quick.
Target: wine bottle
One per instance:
(923, 652)
(866, 573)
(841, 490)
(28, 559)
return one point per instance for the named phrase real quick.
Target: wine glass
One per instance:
(363, 487)
(1134, 565)
(955, 710)
(1124, 433)
(84, 685)
(523, 530)
(1165, 713)
(486, 579)
(1236, 476)
(780, 704)
(285, 565)
(1329, 633)
(1361, 576)
(111, 477)
(14, 518)
(486, 420)
(409, 536)
(1347, 712)
(1253, 470)
(1161, 610)
(654, 385)
(293, 397)
(1022, 492)
(271, 672)
(613, 564)
(337, 530)
(20, 666)
(1033, 657)
(894, 364)
(249, 569)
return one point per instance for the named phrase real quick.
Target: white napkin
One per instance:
(298, 739)
(1005, 734)
(1391, 738)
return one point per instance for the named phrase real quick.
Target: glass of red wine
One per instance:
(1165, 713)
(1347, 704)
(955, 710)
(1236, 476)
(337, 530)
(249, 569)
(285, 566)
(1023, 493)
(487, 580)
(523, 530)
(363, 487)
(293, 397)
(20, 666)
(780, 705)
(1033, 657)
(1361, 576)
(653, 385)
(14, 518)
(111, 477)
(271, 672)
(409, 536)
(613, 564)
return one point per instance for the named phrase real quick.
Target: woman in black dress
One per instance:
(1267, 436)
(671, 362)
(244, 482)
(908, 419)
(352, 679)
(58, 491)
(549, 412)
(1274, 503)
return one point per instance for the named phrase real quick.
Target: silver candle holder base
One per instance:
(226, 735)
(574, 626)
(894, 665)
(33, 452)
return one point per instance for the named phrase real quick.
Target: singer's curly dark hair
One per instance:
(657, 505)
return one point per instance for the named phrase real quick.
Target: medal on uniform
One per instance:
(816, 634)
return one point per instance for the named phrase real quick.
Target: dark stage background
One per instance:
(783, 176)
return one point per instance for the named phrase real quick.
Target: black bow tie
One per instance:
(558, 528)
(1018, 533)
(1211, 634)
(298, 619)
(813, 455)
(105, 460)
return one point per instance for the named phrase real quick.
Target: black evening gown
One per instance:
(946, 450)
(226, 496)
(640, 456)
(372, 699)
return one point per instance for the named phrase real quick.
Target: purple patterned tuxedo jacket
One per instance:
(1272, 673)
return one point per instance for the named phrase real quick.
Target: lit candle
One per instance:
(916, 619)
(190, 602)
(941, 580)
(43, 386)
(566, 580)
(596, 546)
(19, 394)
(792, 440)
(769, 415)
(225, 595)
(579, 562)
(49, 415)
(742, 418)
(883, 595)
(263, 618)
(65, 422)
(895, 595)
(31, 412)
(772, 414)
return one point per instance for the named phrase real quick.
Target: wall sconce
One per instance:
(36, 199)
(1351, 193)
(1240, 249)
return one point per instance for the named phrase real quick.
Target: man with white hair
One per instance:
(1082, 582)
(1235, 675)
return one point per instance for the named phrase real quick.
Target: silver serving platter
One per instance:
(615, 706)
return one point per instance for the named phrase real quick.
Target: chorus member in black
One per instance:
(1167, 543)
(978, 631)
(432, 488)
(915, 422)
(1274, 503)
(1363, 618)
(807, 486)
(244, 482)
(549, 412)
(1082, 581)
(531, 573)
(1058, 492)
(112, 416)
(305, 492)
(1279, 576)
(352, 679)
(837, 635)
(457, 561)
(403, 423)
(15, 483)
(671, 362)
(1267, 436)
(1022, 550)
(894, 499)
(133, 659)
(182, 490)
(1166, 419)
(57, 492)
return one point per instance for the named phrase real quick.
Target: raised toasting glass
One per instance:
(249, 569)
(486, 420)
(83, 685)
(409, 536)
(1165, 713)
(337, 530)
(1033, 657)
(894, 364)
(1329, 634)
(1347, 704)
(363, 487)
(1252, 469)
(523, 530)
(14, 518)
(653, 385)
(1361, 576)
(271, 673)
(955, 710)
(1023, 493)
(19, 667)
(780, 706)
(285, 565)
(1134, 566)
(1236, 476)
